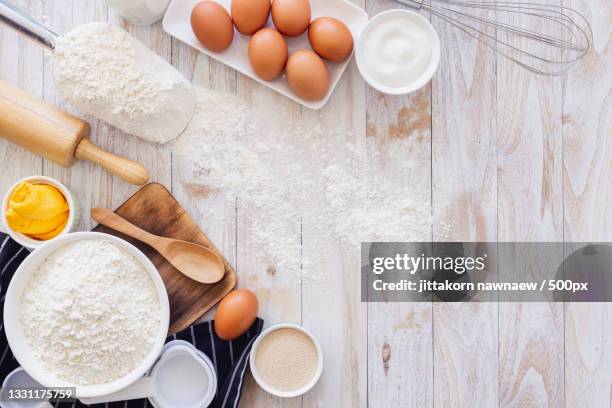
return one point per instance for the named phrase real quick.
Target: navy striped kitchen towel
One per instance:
(230, 358)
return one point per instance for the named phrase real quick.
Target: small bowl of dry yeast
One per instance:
(286, 360)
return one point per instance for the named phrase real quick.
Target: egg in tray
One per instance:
(268, 54)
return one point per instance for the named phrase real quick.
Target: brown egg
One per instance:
(250, 15)
(331, 39)
(307, 75)
(235, 314)
(291, 17)
(268, 53)
(212, 25)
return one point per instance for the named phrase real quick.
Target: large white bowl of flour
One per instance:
(87, 310)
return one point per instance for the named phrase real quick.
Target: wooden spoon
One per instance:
(195, 261)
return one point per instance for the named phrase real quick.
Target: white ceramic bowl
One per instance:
(418, 83)
(266, 387)
(19, 344)
(74, 211)
(19, 379)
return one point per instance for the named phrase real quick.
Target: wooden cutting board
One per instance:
(154, 209)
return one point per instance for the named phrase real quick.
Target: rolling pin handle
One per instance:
(128, 170)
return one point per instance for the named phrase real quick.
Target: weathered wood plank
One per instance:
(587, 181)
(530, 208)
(331, 308)
(279, 291)
(465, 208)
(400, 334)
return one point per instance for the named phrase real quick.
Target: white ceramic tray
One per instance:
(177, 23)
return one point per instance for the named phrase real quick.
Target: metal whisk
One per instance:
(542, 38)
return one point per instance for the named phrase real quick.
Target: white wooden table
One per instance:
(504, 154)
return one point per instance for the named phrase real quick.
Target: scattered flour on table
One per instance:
(90, 312)
(104, 71)
(294, 183)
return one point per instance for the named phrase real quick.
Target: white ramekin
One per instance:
(266, 387)
(423, 79)
(18, 341)
(18, 379)
(74, 211)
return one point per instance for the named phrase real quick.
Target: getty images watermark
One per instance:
(486, 271)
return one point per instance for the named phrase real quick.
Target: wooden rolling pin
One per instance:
(57, 135)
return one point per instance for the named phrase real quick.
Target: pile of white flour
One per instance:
(298, 183)
(104, 71)
(90, 312)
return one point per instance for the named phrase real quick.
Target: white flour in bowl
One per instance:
(90, 312)
(104, 71)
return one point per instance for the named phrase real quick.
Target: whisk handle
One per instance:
(414, 4)
(25, 24)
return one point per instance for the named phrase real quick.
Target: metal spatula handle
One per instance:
(25, 24)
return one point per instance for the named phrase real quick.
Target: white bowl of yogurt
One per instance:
(87, 310)
(398, 52)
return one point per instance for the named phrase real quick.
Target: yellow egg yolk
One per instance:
(37, 210)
